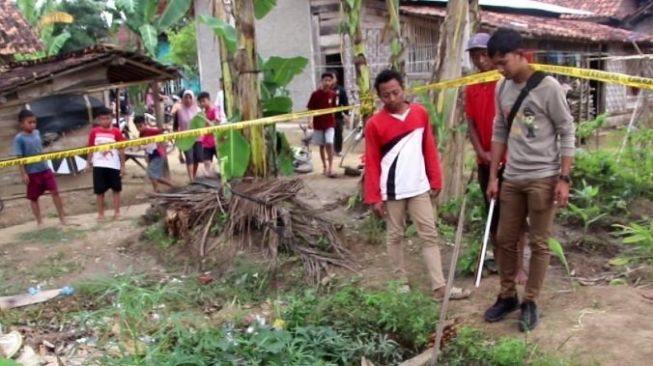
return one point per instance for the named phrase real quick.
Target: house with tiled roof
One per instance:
(561, 32)
(16, 35)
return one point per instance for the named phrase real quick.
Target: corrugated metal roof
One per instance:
(543, 27)
(529, 5)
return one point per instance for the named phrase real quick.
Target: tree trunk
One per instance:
(448, 65)
(249, 93)
(353, 15)
(228, 84)
(397, 45)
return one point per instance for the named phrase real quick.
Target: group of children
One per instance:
(108, 167)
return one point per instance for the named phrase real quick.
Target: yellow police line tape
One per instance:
(168, 136)
(598, 75)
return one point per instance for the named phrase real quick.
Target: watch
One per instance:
(565, 178)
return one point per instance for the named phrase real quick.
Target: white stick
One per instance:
(486, 238)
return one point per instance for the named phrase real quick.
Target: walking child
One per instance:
(37, 177)
(155, 154)
(108, 166)
(209, 149)
(324, 126)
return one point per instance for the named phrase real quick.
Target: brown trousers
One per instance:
(421, 213)
(520, 199)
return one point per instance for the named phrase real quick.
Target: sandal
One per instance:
(456, 293)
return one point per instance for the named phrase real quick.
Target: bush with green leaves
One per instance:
(640, 236)
(406, 318)
(473, 347)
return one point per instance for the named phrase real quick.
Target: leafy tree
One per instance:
(87, 29)
(183, 48)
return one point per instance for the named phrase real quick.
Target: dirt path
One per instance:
(601, 325)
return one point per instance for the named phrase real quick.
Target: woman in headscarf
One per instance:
(185, 114)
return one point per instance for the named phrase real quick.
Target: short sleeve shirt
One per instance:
(105, 159)
(321, 99)
(30, 144)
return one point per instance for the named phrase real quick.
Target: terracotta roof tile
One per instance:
(16, 35)
(618, 9)
(543, 27)
(18, 74)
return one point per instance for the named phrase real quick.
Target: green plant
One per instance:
(556, 248)
(640, 236)
(50, 235)
(586, 129)
(157, 235)
(183, 48)
(586, 208)
(373, 230)
(408, 319)
(54, 266)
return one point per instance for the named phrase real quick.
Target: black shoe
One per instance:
(501, 308)
(529, 316)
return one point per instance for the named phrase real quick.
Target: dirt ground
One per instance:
(595, 325)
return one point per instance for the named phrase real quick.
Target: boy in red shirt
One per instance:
(401, 167)
(37, 177)
(480, 102)
(324, 126)
(209, 149)
(155, 154)
(108, 166)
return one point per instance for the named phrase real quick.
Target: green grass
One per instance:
(51, 235)
(53, 267)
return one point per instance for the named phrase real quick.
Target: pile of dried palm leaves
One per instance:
(251, 213)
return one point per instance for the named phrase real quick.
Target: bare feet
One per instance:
(101, 217)
(40, 225)
(116, 216)
(522, 277)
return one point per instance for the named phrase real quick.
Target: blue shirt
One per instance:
(30, 144)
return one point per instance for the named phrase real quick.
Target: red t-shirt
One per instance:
(321, 99)
(153, 149)
(480, 105)
(208, 140)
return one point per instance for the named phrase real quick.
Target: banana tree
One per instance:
(448, 109)
(397, 45)
(149, 18)
(44, 16)
(351, 27)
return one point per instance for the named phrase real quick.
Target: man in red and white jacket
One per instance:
(402, 167)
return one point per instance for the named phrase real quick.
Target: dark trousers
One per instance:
(337, 143)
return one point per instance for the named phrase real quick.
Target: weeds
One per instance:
(472, 347)
(54, 266)
(157, 234)
(639, 236)
(586, 208)
(373, 230)
(50, 235)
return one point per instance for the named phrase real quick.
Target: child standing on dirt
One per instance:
(209, 149)
(38, 177)
(324, 126)
(402, 173)
(108, 166)
(534, 124)
(155, 154)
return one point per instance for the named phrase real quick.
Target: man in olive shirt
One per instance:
(540, 146)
